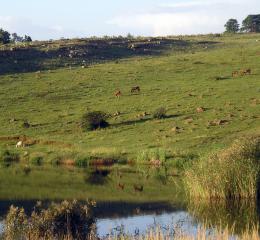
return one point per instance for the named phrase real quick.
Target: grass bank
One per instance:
(206, 106)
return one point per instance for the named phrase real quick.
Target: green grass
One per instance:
(179, 78)
(146, 156)
(54, 102)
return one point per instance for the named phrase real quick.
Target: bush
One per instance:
(82, 161)
(36, 160)
(160, 113)
(4, 36)
(55, 160)
(67, 220)
(229, 174)
(94, 120)
(9, 157)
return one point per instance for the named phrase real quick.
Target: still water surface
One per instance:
(158, 199)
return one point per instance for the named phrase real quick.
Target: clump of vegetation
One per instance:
(4, 36)
(232, 26)
(251, 24)
(155, 154)
(55, 160)
(229, 174)
(36, 160)
(240, 216)
(26, 124)
(82, 161)
(8, 157)
(94, 120)
(26, 169)
(67, 220)
(160, 113)
(182, 161)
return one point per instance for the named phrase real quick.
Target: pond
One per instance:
(129, 199)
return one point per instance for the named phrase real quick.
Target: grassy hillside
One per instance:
(179, 77)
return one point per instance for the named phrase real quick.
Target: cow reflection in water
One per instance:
(97, 176)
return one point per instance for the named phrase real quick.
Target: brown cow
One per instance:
(139, 188)
(246, 71)
(118, 93)
(135, 89)
(121, 186)
(235, 74)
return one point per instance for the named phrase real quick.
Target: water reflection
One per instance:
(137, 225)
(136, 218)
(97, 176)
(239, 215)
(124, 197)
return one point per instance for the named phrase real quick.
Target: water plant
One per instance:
(152, 155)
(66, 220)
(230, 174)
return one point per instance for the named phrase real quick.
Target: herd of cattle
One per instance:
(134, 89)
(241, 72)
(137, 89)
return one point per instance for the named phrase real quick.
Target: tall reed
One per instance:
(229, 174)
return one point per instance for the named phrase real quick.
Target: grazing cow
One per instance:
(135, 89)
(121, 186)
(246, 71)
(19, 144)
(139, 188)
(118, 93)
(235, 73)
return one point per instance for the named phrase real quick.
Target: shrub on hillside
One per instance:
(36, 160)
(82, 161)
(94, 120)
(9, 157)
(229, 174)
(160, 113)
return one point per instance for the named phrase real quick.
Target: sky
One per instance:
(54, 19)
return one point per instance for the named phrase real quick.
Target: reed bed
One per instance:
(230, 174)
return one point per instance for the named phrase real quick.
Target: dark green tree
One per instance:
(94, 120)
(251, 23)
(129, 36)
(16, 38)
(4, 36)
(232, 26)
(27, 38)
